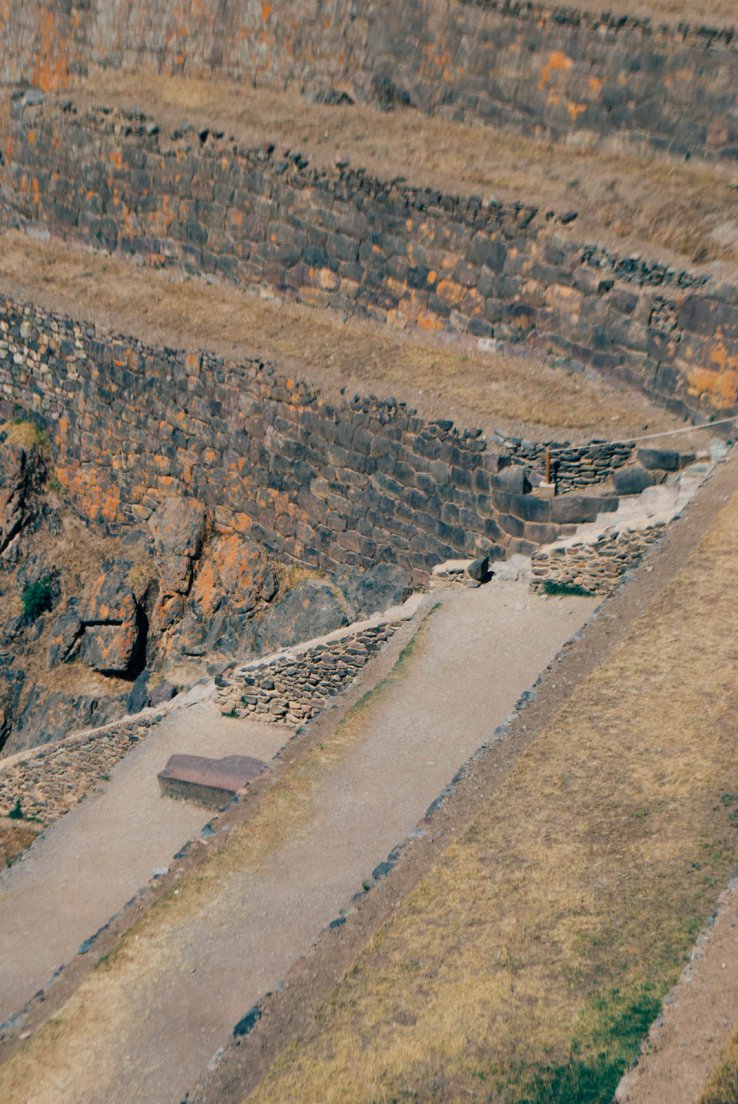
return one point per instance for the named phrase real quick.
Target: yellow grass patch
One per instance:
(722, 1086)
(440, 378)
(527, 965)
(685, 212)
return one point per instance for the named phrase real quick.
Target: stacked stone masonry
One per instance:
(571, 466)
(554, 70)
(316, 482)
(293, 689)
(596, 567)
(51, 779)
(341, 239)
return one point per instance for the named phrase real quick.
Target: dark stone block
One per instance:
(208, 781)
(632, 481)
(659, 459)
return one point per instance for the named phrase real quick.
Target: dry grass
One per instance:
(722, 1086)
(15, 837)
(26, 435)
(57, 1059)
(529, 963)
(683, 212)
(439, 378)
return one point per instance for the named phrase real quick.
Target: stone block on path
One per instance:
(210, 782)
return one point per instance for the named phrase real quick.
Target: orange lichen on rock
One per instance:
(558, 62)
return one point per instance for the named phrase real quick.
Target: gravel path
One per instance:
(161, 1013)
(95, 858)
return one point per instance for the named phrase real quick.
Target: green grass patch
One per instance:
(593, 1069)
(555, 587)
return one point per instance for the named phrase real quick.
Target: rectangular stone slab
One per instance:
(207, 781)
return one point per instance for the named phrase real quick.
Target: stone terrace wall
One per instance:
(526, 65)
(292, 689)
(51, 779)
(572, 466)
(597, 567)
(326, 484)
(344, 240)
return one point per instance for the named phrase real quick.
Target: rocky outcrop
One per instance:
(22, 474)
(311, 608)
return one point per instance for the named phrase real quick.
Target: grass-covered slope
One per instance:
(528, 965)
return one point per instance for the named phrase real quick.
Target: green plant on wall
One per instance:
(38, 597)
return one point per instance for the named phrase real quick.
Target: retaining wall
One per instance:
(341, 239)
(292, 689)
(352, 482)
(51, 779)
(597, 567)
(553, 70)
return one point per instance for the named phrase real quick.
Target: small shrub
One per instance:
(16, 813)
(572, 590)
(38, 597)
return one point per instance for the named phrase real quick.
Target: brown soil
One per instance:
(440, 378)
(682, 213)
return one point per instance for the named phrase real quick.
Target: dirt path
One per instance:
(97, 856)
(699, 1015)
(206, 954)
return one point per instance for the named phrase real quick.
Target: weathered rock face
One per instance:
(102, 645)
(114, 622)
(178, 527)
(312, 608)
(377, 589)
(108, 631)
(22, 472)
(52, 714)
(234, 579)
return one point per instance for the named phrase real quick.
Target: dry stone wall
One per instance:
(292, 689)
(53, 778)
(554, 70)
(596, 567)
(571, 466)
(342, 239)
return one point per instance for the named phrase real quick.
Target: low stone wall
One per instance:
(549, 69)
(51, 779)
(292, 689)
(596, 567)
(573, 467)
(383, 250)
